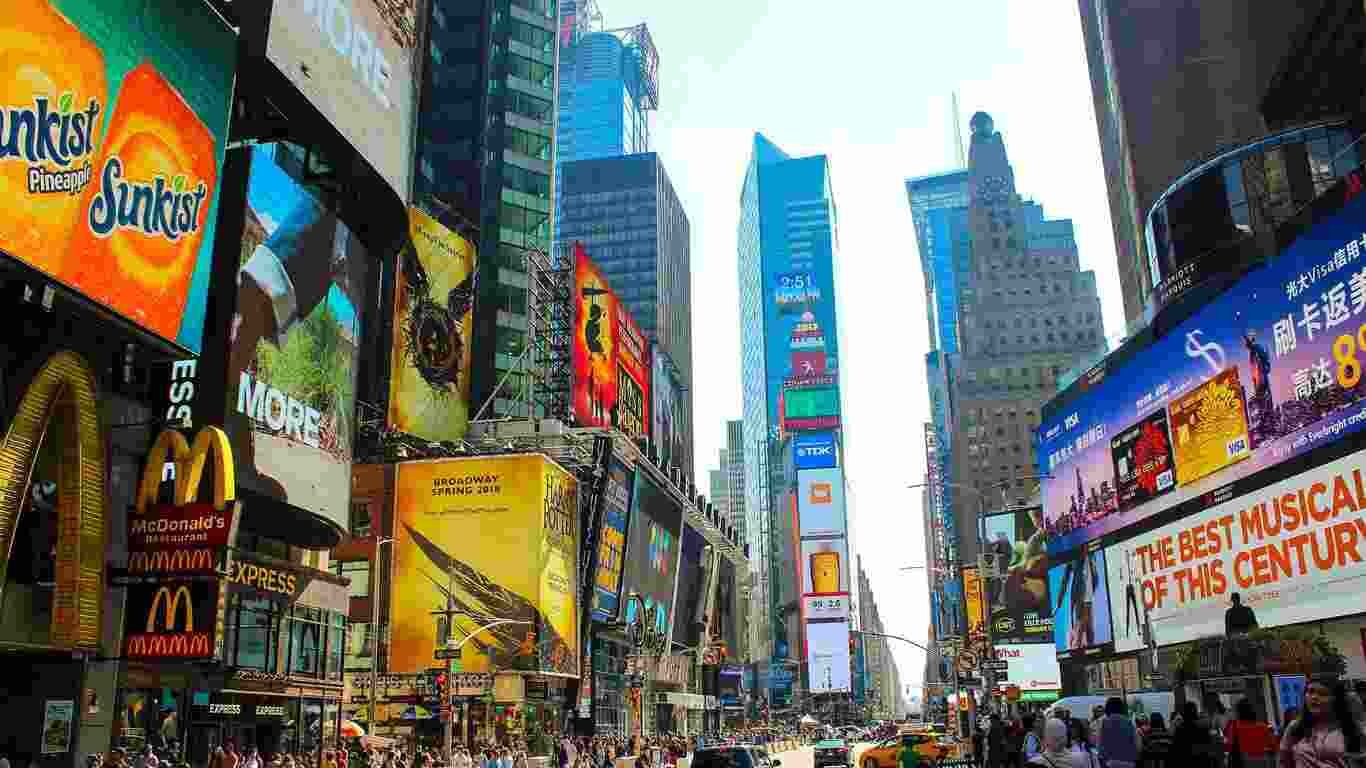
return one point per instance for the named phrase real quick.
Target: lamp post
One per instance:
(374, 630)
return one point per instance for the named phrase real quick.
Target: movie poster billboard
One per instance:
(115, 125)
(974, 601)
(494, 538)
(1291, 550)
(354, 60)
(652, 552)
(668, 428)
(1081, 603)
(1267, 371)
(611, 385)
(616, 521)
(292, 361)
(1020, 610)
(429, 357)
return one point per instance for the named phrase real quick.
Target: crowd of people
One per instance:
(1326, 733)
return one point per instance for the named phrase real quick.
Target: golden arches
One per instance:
(189, 462)
(64, 380)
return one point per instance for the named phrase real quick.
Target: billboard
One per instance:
(353, 59)
(668, 428)
(429, 356)
(1267, 371)
(1020, 610)
(973, 601)
(172, 620)
(820, 502)
(824, 566)
(810, 407)
(115, 118)
(827, 657)
(291, 386)
(1031, 666)
(496, 539)
(652, 551)
(611, 385)
(814, 450)
(686, 627)
(827, 607)
(1290, 550)
(1081, 602)
(616, 521)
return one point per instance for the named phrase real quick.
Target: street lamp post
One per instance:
(374, 630)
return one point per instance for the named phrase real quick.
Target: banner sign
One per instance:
(972, 599)
(1266, 372)
(616, 517)
(1020, 610)
(1031, 666)
(834, 607)
(814, 450)
(174, 620)
(1293, 551)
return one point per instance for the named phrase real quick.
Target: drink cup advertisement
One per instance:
(1268, 371)
(291, 364)
(824, 566)
(113, 123)
(1292, 552)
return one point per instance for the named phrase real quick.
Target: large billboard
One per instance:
(1020, 610)
(690, 579)
(1081, 603)
(616, 521)
(429, 359)
(974, 601)
(824, 566)
(727, 606)
(611, 384)
(652, 552)
(814, 450)
(827, 657)
(820, 502)
(1268, 371)
(1290, 550)
(1031, 666)
(495, 539)
(668, 427)
(113, 125)
(353, 59)
(291, 388)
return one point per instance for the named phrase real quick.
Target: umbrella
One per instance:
(350, 729)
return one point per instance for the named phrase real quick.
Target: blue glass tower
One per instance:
(606, 93)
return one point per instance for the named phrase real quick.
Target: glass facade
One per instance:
(601, 113)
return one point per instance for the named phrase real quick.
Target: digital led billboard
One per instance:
(820, 502)
(827, 657)
(1292, 550)
(616, 522)
(824, 566)
(611, 384)
(291, 388)
(689, 589)
(814, 450)
(113, 125)
(1269, 370)
(652, 552)
(1081, 603)
(1031, 666)
(668, 427)
(1018, 603)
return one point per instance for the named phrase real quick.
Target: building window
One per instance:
(252, 633)
(336, 646)
(306, 641)
(358, 571)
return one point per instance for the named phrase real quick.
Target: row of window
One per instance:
(264, 635)
(1083, 318)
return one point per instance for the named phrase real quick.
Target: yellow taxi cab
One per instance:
(883, 754)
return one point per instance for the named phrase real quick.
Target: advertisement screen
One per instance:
(429, 362)
(826, 607)
(1081, 604)
(827, 656)
(353, 59)
(729, 685)
(824, 566)
(115, 118)
(666, 414)
(686, 625)
(616, 519)
(292, 362)
(1268, 371)
(820, 502)
(1020, 611)
(1031, 666)
(727, 608)
(1142, 460)
(1291, 551)
(489, 537)
(974, 602)
(172, 620)
(652, 552)
(611, 385)
(814, 450)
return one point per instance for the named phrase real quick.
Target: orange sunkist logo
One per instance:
(55, 139)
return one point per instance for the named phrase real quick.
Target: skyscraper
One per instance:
(626, 213)
(484, 152)
(734, 467)
(608, 87)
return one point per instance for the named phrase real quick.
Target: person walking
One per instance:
(1157, 743)
(996, 742)
(1033, 741)
(1118, 739)
(1053, 751)
(1191, 741)
(1325, 733)
(1248, 740)
(1079, 738)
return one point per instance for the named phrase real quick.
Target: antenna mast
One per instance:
(961, 156)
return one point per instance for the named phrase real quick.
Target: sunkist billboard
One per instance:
(115, 117)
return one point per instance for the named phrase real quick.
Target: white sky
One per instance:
(867, 82)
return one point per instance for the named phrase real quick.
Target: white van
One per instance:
(1144, 704)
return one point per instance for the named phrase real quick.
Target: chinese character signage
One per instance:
(1270, 370)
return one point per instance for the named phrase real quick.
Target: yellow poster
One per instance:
(1209, 427)
(429, 368)
(972, 597)
(493, 539)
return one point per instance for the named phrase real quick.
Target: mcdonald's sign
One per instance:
(171, 621)
(183, 537)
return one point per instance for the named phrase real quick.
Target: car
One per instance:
(733, 757)
(884, 754)
(832, 752)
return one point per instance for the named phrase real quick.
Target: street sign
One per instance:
(446, 654)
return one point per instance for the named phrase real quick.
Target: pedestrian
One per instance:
(1097, 714)
(1191, 741)
(1325, 733)
(1053, 751)
(1079, 743)
(1248, 740)
(978, 746)
(1157, 743)
(1117, 738)
(1033, 741)
(996, 742)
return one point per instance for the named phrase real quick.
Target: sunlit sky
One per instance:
(867, 82)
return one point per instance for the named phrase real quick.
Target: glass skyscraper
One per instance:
(605, 95)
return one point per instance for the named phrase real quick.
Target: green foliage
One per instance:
(315, 366)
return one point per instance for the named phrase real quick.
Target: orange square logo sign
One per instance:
(822, 493)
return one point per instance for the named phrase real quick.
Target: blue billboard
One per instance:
(814, 450)
(1268, 371)
(616, 516)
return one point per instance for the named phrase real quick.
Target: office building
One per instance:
(608, 86)
(484, 164)
(626, 213)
